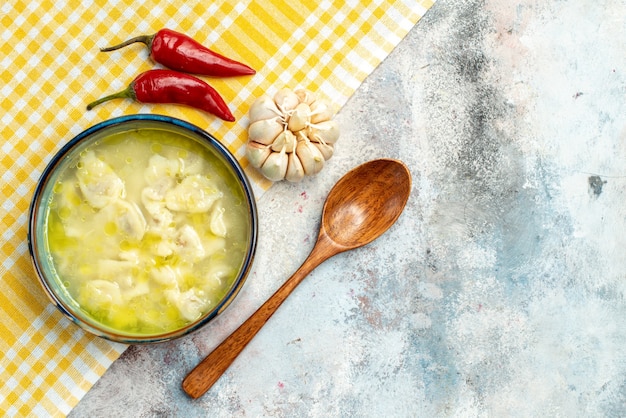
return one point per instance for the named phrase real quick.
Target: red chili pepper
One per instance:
(167, 86)
(180, 52)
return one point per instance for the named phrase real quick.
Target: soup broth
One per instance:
(147, 231)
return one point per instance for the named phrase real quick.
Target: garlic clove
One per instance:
(306, 96)
(265, 131)
(257, 153)
(263, 107)
(284, 139)
(286, 100)
(275, 166)
(320, 112)
(295, 171)
(300, 118)
(311, 158)
(327, 150)
(326, 132)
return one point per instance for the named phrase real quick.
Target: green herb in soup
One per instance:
(147, 231)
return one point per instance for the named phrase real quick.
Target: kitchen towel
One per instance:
(52, 67)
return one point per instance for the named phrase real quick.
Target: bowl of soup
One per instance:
(142, 228)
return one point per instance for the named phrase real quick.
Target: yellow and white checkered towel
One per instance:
(52, 67)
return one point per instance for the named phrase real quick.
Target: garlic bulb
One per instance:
(291, 135)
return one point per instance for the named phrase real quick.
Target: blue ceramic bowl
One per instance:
(38, 239)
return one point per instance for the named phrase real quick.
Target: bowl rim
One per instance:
(93, 326)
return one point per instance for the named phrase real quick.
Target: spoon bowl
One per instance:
(363, 204)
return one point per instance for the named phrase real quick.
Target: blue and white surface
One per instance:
(499, 292)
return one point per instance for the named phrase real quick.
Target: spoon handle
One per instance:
(209, 370)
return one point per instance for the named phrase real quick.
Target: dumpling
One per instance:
(100, 294)
(98, 182)
(154, 203)
(188, 303)
(165, 275)
(194, 194)
(189, 244)
(128, 218)
(161, 170)
(217, 222)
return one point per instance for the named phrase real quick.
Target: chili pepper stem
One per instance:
(145, 39)
(127, 93)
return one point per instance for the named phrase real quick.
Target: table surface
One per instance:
(500, 290)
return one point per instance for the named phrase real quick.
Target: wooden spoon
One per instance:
(360, 207)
